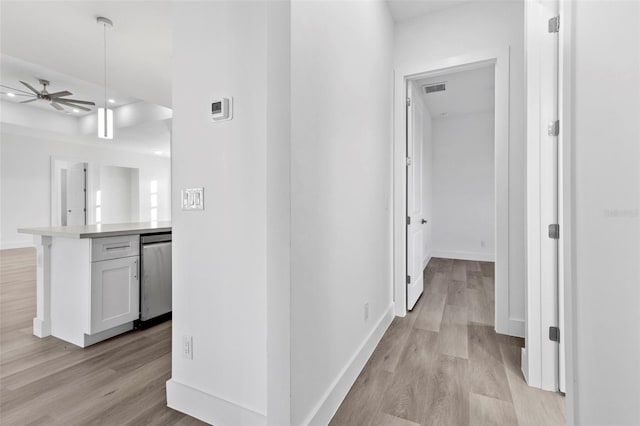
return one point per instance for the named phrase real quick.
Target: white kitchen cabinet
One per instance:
(115, 286)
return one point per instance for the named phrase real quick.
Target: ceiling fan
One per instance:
(57, 100)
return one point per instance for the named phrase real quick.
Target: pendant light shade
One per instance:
(105, 123)
(105, 115)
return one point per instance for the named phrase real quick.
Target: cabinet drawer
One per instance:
(115, 247)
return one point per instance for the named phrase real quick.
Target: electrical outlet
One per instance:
(187, 347)
(366, 311)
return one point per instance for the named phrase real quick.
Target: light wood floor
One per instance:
(443, 364)
(49, 382)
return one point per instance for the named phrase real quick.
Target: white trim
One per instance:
(41, 328)
(8, 245)
(325, 409)
(426, 260)
(209, 408)
(465, 255)
(42, 321)
(567, 241)
(500, 57)
(541, 361)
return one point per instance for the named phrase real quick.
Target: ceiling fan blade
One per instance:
(18, 94)
(69, 104)
(15, 90)
(76, 101)
(30, 87)
(60, 94)
(30, 100)
(56, 106)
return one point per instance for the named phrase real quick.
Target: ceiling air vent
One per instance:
(437, 87)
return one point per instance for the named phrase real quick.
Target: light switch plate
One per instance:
(193, 199)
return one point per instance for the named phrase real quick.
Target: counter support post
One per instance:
(42, 321)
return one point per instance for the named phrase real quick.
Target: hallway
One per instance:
(443, 364)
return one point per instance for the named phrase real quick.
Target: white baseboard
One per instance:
(464, 255)
(426, 260)
(333, 397)
(524, 364)
(15, 244)
(41, 328)
(510, 327)
(209, 408)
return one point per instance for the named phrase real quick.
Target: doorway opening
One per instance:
(68, 192)
(414, 233)
(450, 179)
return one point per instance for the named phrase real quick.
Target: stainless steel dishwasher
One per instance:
(155, 285)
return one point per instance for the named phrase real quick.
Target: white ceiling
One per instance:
(64, 36)
(466, 92)
(407, 9)
(14, 70)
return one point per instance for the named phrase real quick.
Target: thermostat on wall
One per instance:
(222, 109)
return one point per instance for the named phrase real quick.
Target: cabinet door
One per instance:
(115, 290)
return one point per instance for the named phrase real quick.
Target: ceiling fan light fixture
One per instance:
(105, 115)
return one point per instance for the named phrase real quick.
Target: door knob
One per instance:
(424, 221)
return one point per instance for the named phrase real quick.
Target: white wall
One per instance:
(604, 348)
(464, 29)
(230, 261)
(341, 86)
(423, 129)
(25, 173)
(463, 186)
(118, 198)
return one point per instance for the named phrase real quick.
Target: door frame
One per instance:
(499, 57)
(54, 189)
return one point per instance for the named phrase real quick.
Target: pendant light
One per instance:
(105, 115)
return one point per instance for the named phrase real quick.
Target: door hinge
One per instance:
(553, 129)
(408, 220)
(554, 334)
(408, 161)
(554, 24)
(554, 231)
(408, 279)
(408, 101)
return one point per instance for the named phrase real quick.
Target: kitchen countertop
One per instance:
(103, 230)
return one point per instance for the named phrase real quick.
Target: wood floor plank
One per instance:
(459, 271)
(389, 350)
(474, 280)
(453, 339)
(488, 269)
(485, 411)
(366, 395)
(447, 397)
(430, 315)
(487, 375)
(456, 293)
(404, 397)
(480, 310)
(383, 419)
(438, 284)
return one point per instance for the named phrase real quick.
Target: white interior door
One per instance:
(74, 195)
(415, 228)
